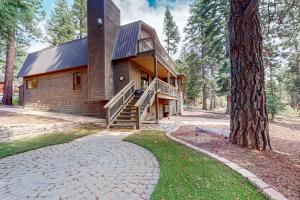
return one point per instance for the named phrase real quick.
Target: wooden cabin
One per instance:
(122, 73)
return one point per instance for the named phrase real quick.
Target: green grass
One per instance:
(27, 144)
(15, 100)
(187, 174)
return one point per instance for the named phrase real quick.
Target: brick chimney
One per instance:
(103, 23)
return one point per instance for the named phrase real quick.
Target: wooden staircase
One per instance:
(125, 110)
(127, 118)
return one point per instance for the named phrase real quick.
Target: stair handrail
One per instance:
(116, 99)
(142, 99)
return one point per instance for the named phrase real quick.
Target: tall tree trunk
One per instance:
(205, 97)
(204, 89)
(249, 120)
(213, 90)
(272, 85)
(9, 70)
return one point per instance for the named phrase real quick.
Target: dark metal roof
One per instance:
(69, 55)
(75, 53)
(126, 41)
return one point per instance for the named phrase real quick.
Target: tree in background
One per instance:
(60, 26)
(280, 26)
(19, 20)
(249, 119)
(171, 32)
(205, 36)
(79, 13)
(224, 87)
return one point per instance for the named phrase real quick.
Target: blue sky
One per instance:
(150, 11)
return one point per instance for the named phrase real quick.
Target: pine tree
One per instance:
(60, 26)
(79, 12)
(18, 21)
(171, 32)
(249, 119)
(205, 32)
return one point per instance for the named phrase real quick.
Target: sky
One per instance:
(150, 11)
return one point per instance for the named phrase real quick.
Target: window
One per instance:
(77, 81)
(32, 84)
(144, 80)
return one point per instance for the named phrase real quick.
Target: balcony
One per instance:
(152, 45)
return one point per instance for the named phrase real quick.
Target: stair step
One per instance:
(128, 117)
(122, 126)
(128, 113)
(124, 121)
(129, 109)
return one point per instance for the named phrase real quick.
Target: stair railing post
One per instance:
(138, 120)
(108, 117)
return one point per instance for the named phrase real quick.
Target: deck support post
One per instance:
(156, 95)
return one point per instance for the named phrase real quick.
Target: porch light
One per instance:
(99, 21)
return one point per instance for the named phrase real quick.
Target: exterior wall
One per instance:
(121, 69)
(136, 75)
(136, 72)
(144, 34)
(100, 46)
(55, 93)
(1, 88)
(21, 95)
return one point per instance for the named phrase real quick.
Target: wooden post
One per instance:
(107, 117)
(138, 119)
(156, 95)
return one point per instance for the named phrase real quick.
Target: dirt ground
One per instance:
(280, 168)
(7, 118)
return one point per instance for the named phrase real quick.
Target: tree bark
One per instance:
(205, 97)
(204, 89)
(228, 107)
(213, 90)
(9, 70)
(249, 119)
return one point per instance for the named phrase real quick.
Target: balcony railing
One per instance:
(167, 89)
(152, 44)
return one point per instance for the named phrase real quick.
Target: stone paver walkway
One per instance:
(99, 166)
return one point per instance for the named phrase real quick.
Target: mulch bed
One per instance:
(280, 169)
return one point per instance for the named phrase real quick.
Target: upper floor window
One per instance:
(32, 84)
(77, 81)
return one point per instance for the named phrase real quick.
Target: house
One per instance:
(1, 83)
(118, 72)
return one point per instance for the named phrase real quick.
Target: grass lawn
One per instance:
(15, 100)
(27, 144)
(187, 174)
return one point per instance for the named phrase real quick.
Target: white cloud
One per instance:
(133, 10)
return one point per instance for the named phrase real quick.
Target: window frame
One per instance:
(35, 86)
(77, 87)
